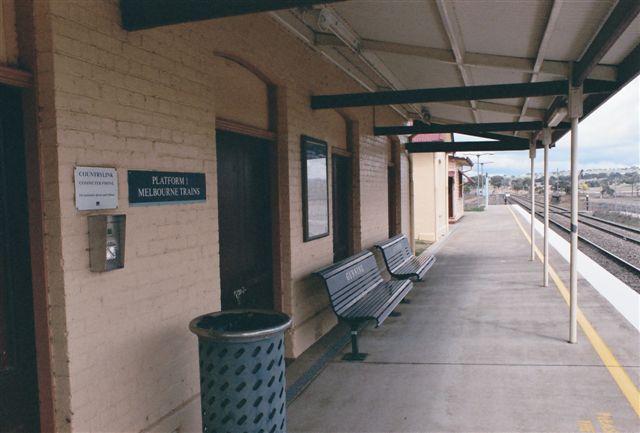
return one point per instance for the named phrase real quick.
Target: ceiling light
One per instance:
(328, 21)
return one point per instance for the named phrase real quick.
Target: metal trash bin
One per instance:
(242, 382)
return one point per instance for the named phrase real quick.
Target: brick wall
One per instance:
(373, 193)
(124, 359)
(132, 101)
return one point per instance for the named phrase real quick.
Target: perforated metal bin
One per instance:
(242, 380)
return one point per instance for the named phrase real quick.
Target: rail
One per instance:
(620, 261)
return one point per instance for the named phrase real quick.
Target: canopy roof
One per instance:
(462, 46)
(497, 66)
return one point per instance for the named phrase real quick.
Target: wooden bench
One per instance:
(359, 294)
(400, 261)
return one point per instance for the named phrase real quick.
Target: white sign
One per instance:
(96, 188)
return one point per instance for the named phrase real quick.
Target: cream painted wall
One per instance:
(240, 95)
(458, 201)
(124, 359)
(430, 195)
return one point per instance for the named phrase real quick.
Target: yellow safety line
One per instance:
(618, 373)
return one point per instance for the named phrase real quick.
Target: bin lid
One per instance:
(240, 325)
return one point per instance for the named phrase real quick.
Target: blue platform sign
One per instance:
(165, 187)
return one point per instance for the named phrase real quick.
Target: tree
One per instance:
(517, 184)
(633, 179)
(496, 181)
(606, 189)
(614, 178)
(562, 183)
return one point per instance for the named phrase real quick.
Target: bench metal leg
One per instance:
(355, 355)
(405, 301)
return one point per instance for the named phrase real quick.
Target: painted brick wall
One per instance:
(430, 195)
(373, 195)
(132, 102)
(124, 359)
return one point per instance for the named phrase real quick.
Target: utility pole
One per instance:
(478, 155)
(485, 178)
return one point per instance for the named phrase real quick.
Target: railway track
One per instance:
(623, 242)
(628, 233)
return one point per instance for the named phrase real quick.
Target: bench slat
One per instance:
(400, 261)
(350, 280)
(358, 293)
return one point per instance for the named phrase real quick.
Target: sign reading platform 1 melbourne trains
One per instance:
(163, 187)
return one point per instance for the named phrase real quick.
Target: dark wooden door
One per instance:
(392, 200)
(451, 196)
(341, 200)
(18, 380)
(244, 216)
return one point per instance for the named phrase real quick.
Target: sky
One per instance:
(608, 138)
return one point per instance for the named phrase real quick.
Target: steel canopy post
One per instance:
(575, 111)
(545, 270)
(478, 181)
(532, 156)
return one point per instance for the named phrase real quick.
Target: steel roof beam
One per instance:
(542, 48)
(500, 137)
(145, 14)
(456, 48)
(496, 91)
(462, 128)
(478, 60)
(551, 67)
(620, 18)
(536, 113)
(629, 69)
(463, 146)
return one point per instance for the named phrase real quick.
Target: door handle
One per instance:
(239, 293)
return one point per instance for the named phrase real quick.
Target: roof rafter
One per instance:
(535, 113)
(456, 48)
(615, 25)
(523, 64)
(542, 48)
(629, 69)
(461, 128)
(620, 18)
(145, 14)
(497, 91)
(464, 146)
(500, 137)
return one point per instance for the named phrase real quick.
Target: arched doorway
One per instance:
(245, 153)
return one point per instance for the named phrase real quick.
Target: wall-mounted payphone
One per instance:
(106, 242)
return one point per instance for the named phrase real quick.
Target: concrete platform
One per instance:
(482, 347)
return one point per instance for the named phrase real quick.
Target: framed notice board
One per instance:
(315, 188)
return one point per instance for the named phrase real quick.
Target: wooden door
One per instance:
(18, 380)
(244, 217)
(341, 200)
(451, 196)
